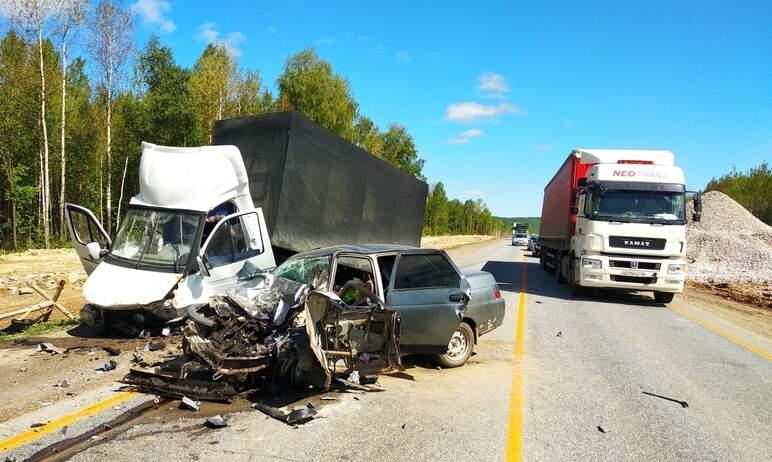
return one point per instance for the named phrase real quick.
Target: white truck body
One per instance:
(193, 205)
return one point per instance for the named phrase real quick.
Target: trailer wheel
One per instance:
(559, 268)
(542, 262)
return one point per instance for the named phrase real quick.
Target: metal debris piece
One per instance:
(187, 403)
(683, 404)
(112, 351)
(108, 366)
(328, 398)
(559, 334)
(297, 416)
(156, 345)
(600, 429)
(215, 421)
(38, 425)
(49, 348)
(368, 379)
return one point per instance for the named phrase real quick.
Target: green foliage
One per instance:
(41, 328)
(751, 189)
(309, 85)
(453, 217)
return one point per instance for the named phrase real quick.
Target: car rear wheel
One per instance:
(459, 348)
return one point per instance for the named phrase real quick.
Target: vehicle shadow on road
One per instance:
(508, 274)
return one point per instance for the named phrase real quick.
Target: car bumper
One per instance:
(620, 273)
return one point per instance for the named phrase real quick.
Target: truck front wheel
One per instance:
(577, 289)
(459, 348)
(663, 297)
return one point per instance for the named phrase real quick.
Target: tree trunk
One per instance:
(44, 173)
(64, 159)
(109, 205)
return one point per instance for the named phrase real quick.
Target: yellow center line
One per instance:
(514, 448)
(61, 422)
(722, 332)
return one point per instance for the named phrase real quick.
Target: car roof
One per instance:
(363, 249)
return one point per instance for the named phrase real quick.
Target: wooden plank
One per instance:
(64, 310)
(37, 307)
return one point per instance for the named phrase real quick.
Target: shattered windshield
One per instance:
(157, 237)
(311, 270)
(666, 207)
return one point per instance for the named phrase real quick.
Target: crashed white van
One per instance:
(190, 233)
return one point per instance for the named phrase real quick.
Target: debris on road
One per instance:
(112, 351)
(49, 348)
(62, 384)
(683, 404)
(155, 345)
(106, 367)
(187, 403)
(215, 421)
(166, 332)
(559, 334)
(600, 429)
(38, 424)
(297, 416)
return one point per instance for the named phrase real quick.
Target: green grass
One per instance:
(41, 328)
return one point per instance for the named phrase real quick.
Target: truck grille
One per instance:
(644, 243)
(634, 279)
(643, 265)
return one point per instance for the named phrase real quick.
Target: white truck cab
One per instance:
(630, 223)
(190, 233)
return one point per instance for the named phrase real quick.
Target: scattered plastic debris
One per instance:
(49, 348)
(108, 366)
(187, 403)
(215, 421)
(166, 332)
(354, 377)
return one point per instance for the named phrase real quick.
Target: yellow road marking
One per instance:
(61, 422)
(514, 448)
(722, 332)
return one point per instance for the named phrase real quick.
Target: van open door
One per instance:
(89, 238)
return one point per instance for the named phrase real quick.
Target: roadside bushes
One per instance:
(752, 189)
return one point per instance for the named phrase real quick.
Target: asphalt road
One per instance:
(572, 388)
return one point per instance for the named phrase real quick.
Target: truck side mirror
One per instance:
(202, 266)
(574, 210)
(697, 216)
(582, 183)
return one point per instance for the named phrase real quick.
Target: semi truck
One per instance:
(206, 217)
(616, 219)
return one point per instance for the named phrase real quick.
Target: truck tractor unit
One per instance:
(616, 219)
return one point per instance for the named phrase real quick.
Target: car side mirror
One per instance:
(202, 266)
(94, 250)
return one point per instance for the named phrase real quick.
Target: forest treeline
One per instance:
(751, 189)
(71, 124)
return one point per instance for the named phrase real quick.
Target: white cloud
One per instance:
(458, 140)
(474, 193)
(153, 13)
(542, 147)
(472, 132)
(403, 56)
(272, 29)
(469, 112)
(208, 33)
(494, 85)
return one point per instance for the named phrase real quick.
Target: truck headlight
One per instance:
(676, 269)
(593, 242)
(592, 263)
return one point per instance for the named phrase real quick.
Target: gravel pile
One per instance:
(729, 245)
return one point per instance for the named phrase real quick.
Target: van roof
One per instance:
(197, 178)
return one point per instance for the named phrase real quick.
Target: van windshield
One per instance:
(157, 237)
(665, 207)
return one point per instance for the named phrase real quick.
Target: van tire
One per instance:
(462, 351)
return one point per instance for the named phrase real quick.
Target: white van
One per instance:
(190, 233)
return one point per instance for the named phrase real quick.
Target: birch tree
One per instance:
(32, 17)
(70, 14)
(209, 84)
(111, 47)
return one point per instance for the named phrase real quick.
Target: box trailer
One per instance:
(317, 189)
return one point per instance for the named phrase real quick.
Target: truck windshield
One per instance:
(157, 237)
(665, 207)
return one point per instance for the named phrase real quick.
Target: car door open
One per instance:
(430, 296)
(89, 238)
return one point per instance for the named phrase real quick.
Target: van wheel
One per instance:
(459, 348)
(663, 297)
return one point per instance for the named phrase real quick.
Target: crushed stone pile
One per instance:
(729, 245)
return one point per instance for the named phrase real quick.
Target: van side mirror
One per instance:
(202, 266)
(94, 250)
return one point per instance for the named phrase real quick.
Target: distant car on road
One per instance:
(533, 244)
(519, 239)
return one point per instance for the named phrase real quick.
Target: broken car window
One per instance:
(229, 243)
(156, 237)
(353, 269)
(309, 270)
(425, 271)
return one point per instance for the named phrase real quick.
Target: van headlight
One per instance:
(591, 263)
(676, 269)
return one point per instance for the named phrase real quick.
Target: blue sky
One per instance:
(497, 94)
